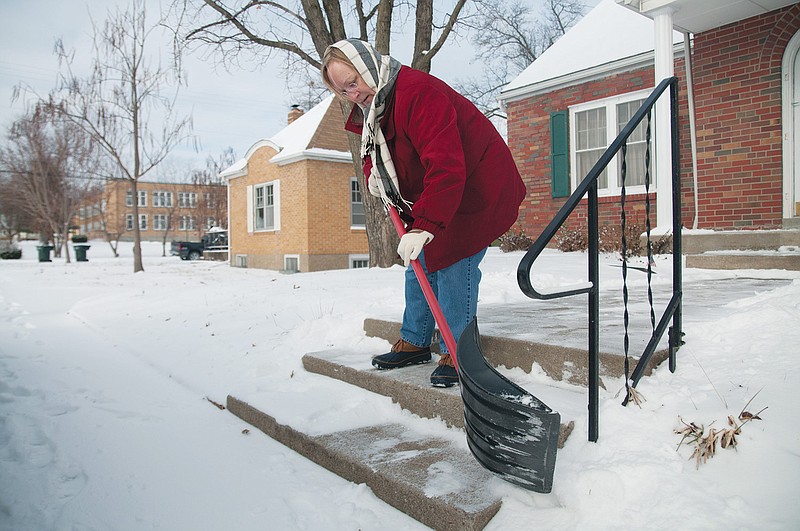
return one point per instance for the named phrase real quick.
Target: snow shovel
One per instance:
(509, 431)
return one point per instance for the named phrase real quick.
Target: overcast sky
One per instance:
(228, 109)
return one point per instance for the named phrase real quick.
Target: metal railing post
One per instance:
(594, 315)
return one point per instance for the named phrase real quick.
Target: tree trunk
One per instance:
(423, 36)
(137, 235)
(383, 26)
(381, 236)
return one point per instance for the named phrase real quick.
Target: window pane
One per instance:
(591, 142)
(357, 215)
(635, 157)
(585, 161)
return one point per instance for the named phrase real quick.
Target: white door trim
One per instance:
(789, 141)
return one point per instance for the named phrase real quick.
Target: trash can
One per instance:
(44, 252)
(80, 252)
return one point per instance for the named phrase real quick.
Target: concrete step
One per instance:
(743, 249)
(402, 467)
(405, 468)
(410, 387)
(558, 362)
(789, 261)
(739, 240)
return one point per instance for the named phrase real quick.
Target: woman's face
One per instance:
(348, 84)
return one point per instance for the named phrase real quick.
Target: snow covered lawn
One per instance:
(108, 381)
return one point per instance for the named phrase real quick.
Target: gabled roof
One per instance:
(316, 135)
(609, 37)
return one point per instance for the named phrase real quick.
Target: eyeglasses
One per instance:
(349, 89)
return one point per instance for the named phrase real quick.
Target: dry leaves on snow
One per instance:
(704, 443)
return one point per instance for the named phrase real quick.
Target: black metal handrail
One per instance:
(588, 187)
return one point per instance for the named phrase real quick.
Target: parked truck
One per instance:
(215, 241)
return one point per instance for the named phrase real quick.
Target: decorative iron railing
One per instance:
(588, 187)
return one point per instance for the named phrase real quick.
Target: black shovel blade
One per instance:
(509, 431)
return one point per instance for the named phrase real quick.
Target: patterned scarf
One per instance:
(379, 72)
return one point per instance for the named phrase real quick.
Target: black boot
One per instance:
(401, 355)
(445, 374)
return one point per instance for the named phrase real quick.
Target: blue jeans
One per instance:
(456, 289)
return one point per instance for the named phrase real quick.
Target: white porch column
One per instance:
(664, 68)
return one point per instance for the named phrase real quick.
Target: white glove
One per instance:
(411, 245)
(372, 184)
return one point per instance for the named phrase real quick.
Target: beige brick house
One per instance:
(294, 200)
(167, 211)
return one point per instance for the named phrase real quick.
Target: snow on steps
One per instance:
(403, 468)
(410, 387)
(557, 361)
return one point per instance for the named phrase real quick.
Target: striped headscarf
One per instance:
(379, 72)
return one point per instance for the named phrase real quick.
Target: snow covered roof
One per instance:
(609, 37)
(294, 142)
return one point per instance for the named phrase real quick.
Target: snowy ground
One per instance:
(108, 378)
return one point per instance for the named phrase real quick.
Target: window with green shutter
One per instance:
(559, 152)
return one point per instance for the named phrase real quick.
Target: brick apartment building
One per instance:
(294, 200)
(167, 211)
(567, 107)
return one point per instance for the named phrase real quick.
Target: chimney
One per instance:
(295, 113)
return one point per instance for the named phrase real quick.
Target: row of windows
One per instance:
(264, 214)
(164, 199)
(161, 222)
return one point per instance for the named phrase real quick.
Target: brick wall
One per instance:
(114, 196)
(737, 84)
(737, 73)
(529, 140)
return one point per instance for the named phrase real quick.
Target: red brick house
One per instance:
(568, 106)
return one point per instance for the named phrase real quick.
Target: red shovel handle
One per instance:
(428, 292)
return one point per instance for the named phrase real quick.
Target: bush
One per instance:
(570, 240)
(80, 238)
(9, 251)
(610, 240)
(515, 240)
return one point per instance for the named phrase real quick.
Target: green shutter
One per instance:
(559, 152)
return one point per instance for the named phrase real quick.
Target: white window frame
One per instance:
(142, 197)
(356, 201)
(187, 223)
(353, 258)
(253, 207)
(160, 222)
(142, 221)
(613, 187)
(162, 199)
(187, 199)
(128, 221)
(293, 257)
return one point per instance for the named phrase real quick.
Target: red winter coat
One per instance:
(451, 163)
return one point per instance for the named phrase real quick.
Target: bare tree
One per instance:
(122, 104)
(51, 165)
(299, 33)
(214, 203)
(509, 35)
(14, 218)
